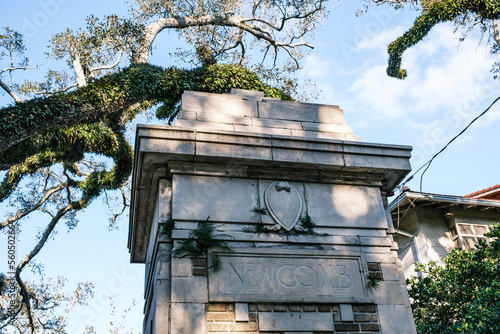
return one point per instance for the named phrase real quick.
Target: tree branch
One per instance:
(108, 67)
(20, 214)
(10, 92)
(496, 31)
(137, 84)
(236, 21)
(24, 291)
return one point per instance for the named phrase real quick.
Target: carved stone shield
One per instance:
(284, 203)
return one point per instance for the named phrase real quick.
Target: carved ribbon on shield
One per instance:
(284, 204)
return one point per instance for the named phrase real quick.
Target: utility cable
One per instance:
(428, 163)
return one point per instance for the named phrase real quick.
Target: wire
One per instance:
(428, 163)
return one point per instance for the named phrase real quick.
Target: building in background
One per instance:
(428, 226)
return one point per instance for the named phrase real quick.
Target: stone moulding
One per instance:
(157, 147)
(290, 275)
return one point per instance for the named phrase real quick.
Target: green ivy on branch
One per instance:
(118, 93)
(435, 12)
(62, 128)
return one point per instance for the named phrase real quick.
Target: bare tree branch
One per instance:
(24, 291)
(108, 67)
(22, 213)
(10, 92)
(235, 21)
(496, 31)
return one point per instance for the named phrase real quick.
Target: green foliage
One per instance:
(11, 42)
(200, 243)
(260, 226)
(434, 12)
(261, 211)
(372, 281)
(167, 226)
(307, 223)
(463, 296)
(102, 106)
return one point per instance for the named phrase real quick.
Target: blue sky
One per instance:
(448, 84)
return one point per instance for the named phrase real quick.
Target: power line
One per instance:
(428, 163)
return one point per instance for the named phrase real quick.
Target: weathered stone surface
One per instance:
(181, 267)
(228, 155)
(229, 104)
(391, 293)
(241, 311)
(189, 289)
(308, 112)
(345, 205)
(346, 313)
(394, 320)
(294, 321)
(204, 125)
(282, 277)
(196, 197)
(187, 318)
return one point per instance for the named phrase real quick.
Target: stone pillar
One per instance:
(297, 199)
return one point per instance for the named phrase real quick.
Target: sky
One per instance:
(449, 83)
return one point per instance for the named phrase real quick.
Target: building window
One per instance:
(466, 236)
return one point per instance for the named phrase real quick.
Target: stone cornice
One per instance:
(159, 149)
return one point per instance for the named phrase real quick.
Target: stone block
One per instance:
(391, 272)
(188, 318)
(161, 309)
(170, 146)
(228, 152)
(319, 127)
(243, 327)
(221, 118)
(218, 103)
(197, 197)
(280, 308)
(263, 130)
(274, 123)
(227, 316)
(249, 94)
(198, 125)
(390, 293)
(181, 267)
(287, 277)
(307, 135)
(188, 115)
(362, 317)
(346, 314)
(189, 289)
(303, 157)
(308, 144)
(345, 206)
(370, 327)
(217, 327)
(307, 112)
(394, 320)
(234, 138)
(295, 321)
(366, 308)
(347, 328)
(216, 307)
(241, 311)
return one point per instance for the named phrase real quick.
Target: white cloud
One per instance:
(316, 67)
(440, 78)
(381, 40)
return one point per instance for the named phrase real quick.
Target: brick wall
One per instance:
(220, 317)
